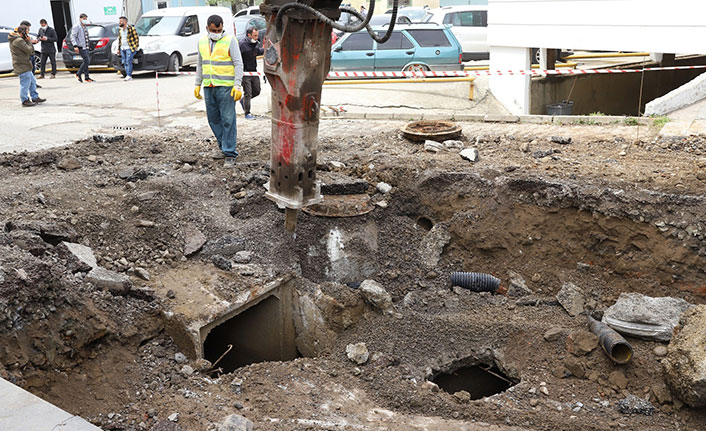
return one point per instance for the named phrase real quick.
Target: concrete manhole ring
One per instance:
(434, 130)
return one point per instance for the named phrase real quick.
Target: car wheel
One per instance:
(415, 68)
(173, 63)
(37, 61)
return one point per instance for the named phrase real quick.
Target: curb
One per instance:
(525, 119)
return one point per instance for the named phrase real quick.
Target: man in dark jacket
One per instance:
(48, 37)
(250, 48)
(21, 49)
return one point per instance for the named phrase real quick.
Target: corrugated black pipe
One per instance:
(475, 281)
(613, 344)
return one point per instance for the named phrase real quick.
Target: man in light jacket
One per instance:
(79, 40)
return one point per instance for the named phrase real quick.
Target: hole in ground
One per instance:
(479, 380)
(425, 223)
(258, 334)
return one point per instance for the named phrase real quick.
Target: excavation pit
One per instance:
(480, 380)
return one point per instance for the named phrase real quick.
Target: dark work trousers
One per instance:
(52, 57)
(251, 88)
(86, 61)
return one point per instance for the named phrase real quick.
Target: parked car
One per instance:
(252, 10)
(100, 38)
(414, 13)
(470, 26)
(411, 47)
(242, 23)
(6, 58)
(384, 19)
(169, 37)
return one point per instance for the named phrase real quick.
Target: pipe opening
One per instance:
(258, 334)
(480, 380)
(621, 353)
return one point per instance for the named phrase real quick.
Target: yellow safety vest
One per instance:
(217, 66)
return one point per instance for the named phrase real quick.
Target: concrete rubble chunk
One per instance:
(235, 423)
(226, 245)
(571, 298)
(632, 405)
(83, 258)
(69, 163)
(376, 295)
(357, 353)
(452, 144)
(432, 246)
(174, 417)
(462, 396)
(685, 364)
(433, 146)
(383, 187)
(115, 283)
(561, 140)
(470, 154)
(581, 342)
(645, 317)
(243, 256)
(142, 273)
(194, 239)
(553, 334)
(517, 286)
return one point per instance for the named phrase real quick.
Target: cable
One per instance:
(365, 21)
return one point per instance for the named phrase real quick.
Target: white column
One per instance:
(511, 90)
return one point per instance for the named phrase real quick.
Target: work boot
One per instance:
(39, 100)
(229, 162)
(52, 77)
(28, 103)
(218, 155)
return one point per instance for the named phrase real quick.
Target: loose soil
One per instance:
(609, 212)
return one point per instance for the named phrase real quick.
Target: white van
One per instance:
(470, 26)
(169, 37)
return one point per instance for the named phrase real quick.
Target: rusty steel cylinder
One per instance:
(613, 344)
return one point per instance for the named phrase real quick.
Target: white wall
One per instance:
(12, 12)
(95, 10)
(674, 26)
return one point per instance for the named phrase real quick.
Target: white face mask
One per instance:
(44, 27)
(84, 21)
(215, 36)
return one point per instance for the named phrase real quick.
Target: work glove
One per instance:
(197, 92)
(236, 93)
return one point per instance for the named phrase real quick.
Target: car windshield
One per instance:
(416, 15)
(158, 25)
(94, 31)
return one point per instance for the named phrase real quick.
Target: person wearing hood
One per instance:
(22, 49)
(219, 69)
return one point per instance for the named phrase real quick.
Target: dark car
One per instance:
(100, 37)
(243, 22)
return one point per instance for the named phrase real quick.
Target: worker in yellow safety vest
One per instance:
(220, 70)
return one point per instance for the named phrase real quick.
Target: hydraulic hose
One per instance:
(365, 21)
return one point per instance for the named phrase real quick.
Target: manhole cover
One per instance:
(341, 206)
(434, 130)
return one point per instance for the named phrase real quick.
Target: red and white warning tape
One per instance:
(462, 73)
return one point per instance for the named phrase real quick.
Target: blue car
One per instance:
(413, 47)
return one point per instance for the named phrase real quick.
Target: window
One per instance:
(191, 25)
(358, 42)
(259, 24)
(473, 19)
(449, 18)
(161, 5)
(427, 38)
(396, 41)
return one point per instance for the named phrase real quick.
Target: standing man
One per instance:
(48, 37)
(79, 40)
(220, 70)
(21, 49)
(250, 48)
(128, 44)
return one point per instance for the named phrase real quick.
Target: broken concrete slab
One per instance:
(194, 239)
(115, 283)
(645, 317)
(24, 411)
(470, 154)
(432, 246)
(79, 258)
(571, 298)
(226, 245)
(376, 295)
(685, 364)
